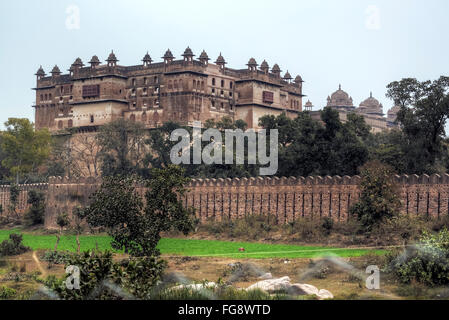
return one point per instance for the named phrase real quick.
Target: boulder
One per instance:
(301, 289)
(272, 285)
(325, 294)
(266, 276)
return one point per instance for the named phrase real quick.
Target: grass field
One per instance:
(191, 247)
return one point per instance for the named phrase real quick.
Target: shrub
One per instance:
(7, 293)
(379, 199)
(427, 262)
(35, 214)
(102, 278)
(13, 245)
(56, 257)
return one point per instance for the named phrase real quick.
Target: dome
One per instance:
(55, 70)
(276, 68)
(392, 113)
(298, 79)
(370, 105)
(94, 60)
(40, 72)
(168, 55)
(112, 57)
(78, 63)
(188, 52)
(220, 60)
(204, 56)
(287, 76)
(147, 58)
(339, 98)
(252, 62)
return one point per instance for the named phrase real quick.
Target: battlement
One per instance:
(284, 198)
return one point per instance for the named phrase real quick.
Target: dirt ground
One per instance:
(20, 273)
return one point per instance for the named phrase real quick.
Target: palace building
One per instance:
(371, 110)
(181, 90)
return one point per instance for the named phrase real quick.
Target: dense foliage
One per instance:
(13, 246)
(136, 225)
(379, 199)
(426, 262)
(35, 214)
(103, 278)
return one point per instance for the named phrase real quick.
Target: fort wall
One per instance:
(284, 199)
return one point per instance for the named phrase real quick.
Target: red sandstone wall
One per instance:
(284, 199)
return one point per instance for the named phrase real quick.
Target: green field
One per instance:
(190, 247)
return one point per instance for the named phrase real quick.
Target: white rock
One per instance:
(325, 294)
(301, 289)
(272, 285)
(266, 276)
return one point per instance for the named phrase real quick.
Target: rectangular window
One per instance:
(268, 97)
(91, 91)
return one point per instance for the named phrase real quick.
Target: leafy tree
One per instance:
(122, 147)
(133, 225)
(379, 198)
(24, 149)
(62, 220)
(35, 214)
(13, 246)
(424, 110)
(101, 278)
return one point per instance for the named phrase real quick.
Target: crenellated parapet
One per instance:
(285, 198)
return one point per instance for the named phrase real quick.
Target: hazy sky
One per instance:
(363, 45)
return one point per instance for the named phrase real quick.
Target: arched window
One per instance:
(132, 118)
(222, 83)
(70, 123)
(60, 124)
(213, 81)
(230, 85)
(175, 84)
(144, 117)
(170, 85)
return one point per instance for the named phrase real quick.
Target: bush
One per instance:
(56, 257)
(427, 262)
(35, 214)
(13, 245)
(379, 198)
(7, 293)
(101, 278)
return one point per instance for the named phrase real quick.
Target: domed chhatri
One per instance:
(265, 67)
(298, 79)
(371, 106)
(168, 55)
(40, 72)
(252, 64)
(78, 63)
(147, 59)
(94, 61)
(340, 98)
(287, 76)
(112, 59)
(188, 52)
(55, 71)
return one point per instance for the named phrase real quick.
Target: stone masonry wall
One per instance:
(284, 199)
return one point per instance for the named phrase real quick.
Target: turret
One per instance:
(147, 60)
(40, 73)
(220, 62)
(168, 57)
(94, 62)
(112, 59)
(188, 55)
(204, 58)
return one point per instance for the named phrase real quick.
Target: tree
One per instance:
(122, 147)
(35, 214)
(379, 198)
(133, 225)
(62, 220)
(23, 147)
(424, 110)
